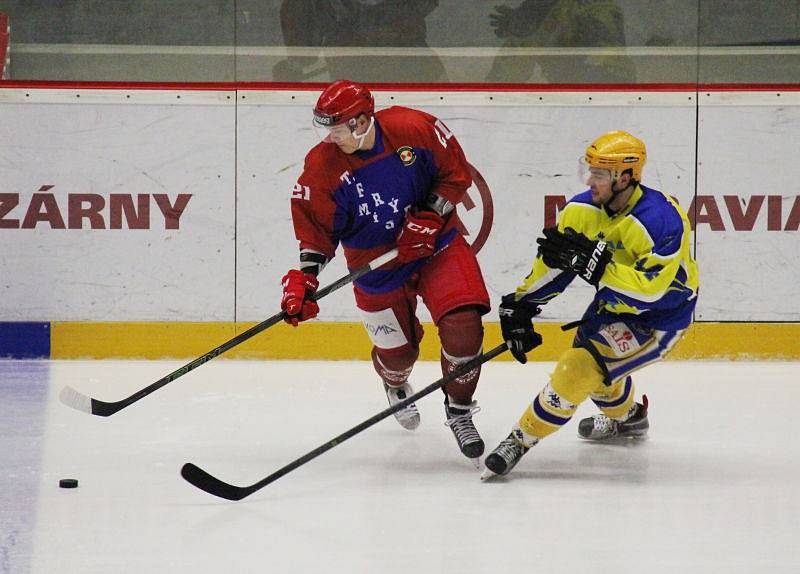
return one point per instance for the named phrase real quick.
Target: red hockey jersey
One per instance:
(360, 199)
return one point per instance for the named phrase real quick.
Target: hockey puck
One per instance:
(68, 483)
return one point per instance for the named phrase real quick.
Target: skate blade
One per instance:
(410, 427)
(487, 475)
(616, 440)
(409, 424)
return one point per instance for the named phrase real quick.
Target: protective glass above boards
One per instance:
(417, 41)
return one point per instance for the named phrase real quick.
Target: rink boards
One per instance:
(339, 340)
(155, 222)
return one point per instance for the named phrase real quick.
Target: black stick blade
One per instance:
(201, 479)
(79, 401)
(104, 409)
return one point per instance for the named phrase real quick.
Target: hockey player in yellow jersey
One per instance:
(632, 243)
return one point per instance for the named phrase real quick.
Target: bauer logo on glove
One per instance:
(573, 251)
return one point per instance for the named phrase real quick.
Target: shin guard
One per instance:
(394, 366)
(461, 334)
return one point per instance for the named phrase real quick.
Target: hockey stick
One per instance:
(204, 481)
(81, 402)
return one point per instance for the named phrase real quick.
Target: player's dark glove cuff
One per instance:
(517, 326)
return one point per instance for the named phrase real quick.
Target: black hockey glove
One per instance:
(517, 326)
(573, 251)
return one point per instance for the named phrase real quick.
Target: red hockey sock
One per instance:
(461, 334)
(394, 365)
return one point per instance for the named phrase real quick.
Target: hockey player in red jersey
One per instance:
(384, 180)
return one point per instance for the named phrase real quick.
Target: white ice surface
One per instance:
(714, 488)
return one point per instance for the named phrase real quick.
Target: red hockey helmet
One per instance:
(342, 102)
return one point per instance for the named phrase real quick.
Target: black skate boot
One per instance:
(505, 457)
(409, 416)
(599, 427)
(459, 419)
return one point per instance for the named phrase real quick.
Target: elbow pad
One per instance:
(439, 204)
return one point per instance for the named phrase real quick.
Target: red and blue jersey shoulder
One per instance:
(430, 137)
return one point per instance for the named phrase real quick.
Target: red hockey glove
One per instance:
(297, 288)
(417, 238)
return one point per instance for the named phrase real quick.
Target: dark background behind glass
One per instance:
(540, 41)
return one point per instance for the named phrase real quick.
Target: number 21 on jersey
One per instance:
(301, 192)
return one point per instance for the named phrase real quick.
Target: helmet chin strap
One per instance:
(360, 138)
(614, 194)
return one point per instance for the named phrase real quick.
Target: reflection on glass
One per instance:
(562, 24)
(497, 41)
(347, 23)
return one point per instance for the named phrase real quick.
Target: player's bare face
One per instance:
(600, 183)
(344, 138)
(350, 138)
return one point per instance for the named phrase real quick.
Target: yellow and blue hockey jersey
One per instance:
(652, 274)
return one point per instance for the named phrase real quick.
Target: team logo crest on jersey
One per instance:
(406, 155)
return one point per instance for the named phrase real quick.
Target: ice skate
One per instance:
(409, 416)
(600, 427)
(459, 419)
(505, 457)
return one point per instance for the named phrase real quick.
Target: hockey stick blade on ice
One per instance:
(81, 402)
(212, 485)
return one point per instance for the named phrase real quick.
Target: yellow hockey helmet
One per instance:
(617, 152)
